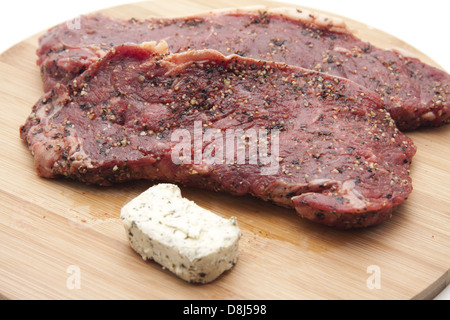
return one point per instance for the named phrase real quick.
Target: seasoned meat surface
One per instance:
(320, 144)
(416, 94)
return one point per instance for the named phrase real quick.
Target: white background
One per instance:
(423, 24)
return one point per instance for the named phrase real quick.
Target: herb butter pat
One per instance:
(190, 241)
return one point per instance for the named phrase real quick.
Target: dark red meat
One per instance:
(416, 94)
(340, 160)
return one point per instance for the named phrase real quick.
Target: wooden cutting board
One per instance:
(64, 240)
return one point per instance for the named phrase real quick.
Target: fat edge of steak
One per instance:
(415, 93)
(322, 145)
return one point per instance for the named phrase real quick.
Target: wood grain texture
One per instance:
(49, 226)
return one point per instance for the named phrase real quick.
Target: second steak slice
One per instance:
(301, 139)
(416, 94)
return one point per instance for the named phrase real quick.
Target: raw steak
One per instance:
(301, 139)
(416, 94)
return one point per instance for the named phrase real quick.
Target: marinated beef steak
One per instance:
(321, 144)
(416, 94)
